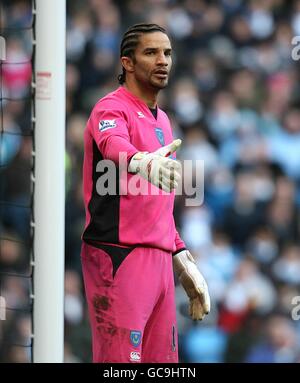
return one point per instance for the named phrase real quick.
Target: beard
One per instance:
(150, 81)
(159, 84)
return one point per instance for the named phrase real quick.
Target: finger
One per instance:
(173, 147)
(205, 300)
(196, 309)
(167, 186)
(171, 180)
(171, 175)
(167, 150)
(162, 171)
(173, 164)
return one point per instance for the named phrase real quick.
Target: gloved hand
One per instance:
(157, 168)
(193, 283)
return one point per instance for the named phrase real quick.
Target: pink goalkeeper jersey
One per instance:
(120, 122)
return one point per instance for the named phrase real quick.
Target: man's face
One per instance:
(152, 60)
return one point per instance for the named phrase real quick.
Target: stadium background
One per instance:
(234, 100)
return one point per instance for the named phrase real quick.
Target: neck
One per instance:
(148, 95)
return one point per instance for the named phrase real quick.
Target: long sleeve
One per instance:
(179, 244)
(109, 128)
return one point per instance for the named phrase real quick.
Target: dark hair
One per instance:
(131, 39)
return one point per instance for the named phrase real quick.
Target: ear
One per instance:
(127, 63)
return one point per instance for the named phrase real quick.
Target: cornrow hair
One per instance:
(131, 39)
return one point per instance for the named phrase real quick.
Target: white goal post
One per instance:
(49, 195)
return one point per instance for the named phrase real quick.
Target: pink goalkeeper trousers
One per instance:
(131, 301)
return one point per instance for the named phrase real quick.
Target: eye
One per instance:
(150, 53)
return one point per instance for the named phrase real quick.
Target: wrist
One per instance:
(178, 251)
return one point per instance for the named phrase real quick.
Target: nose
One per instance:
(162, 59)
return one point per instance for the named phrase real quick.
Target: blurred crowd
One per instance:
(234, 99)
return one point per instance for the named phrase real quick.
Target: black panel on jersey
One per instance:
(117, 254)
(104, 209)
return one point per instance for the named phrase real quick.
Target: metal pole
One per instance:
(49, 199)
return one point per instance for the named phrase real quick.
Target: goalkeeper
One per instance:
(130, 243)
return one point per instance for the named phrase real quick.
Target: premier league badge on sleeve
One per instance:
(160, 136)
(107, 124)
(135, 338)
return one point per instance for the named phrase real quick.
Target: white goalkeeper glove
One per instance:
(157, 168)
(193, 283)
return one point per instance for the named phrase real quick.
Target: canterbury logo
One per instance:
(134, 355)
